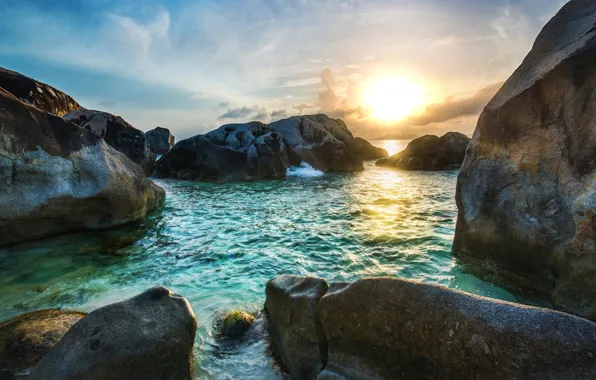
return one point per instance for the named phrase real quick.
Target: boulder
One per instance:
(388, 328)
(526, 192)
(118, 134)
(430, 153)
(147, 337)
(25, 339)
(256, 150)
(57, 177)
(366, 150)
(237, 323)
(160, 140)
(37, 94)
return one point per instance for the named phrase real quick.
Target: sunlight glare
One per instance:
(392, 99)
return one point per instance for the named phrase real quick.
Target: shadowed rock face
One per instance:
(147, 337)
(526, 192)
(256, 150)
(160, 140)
(118, 133)
(38, 94)
(387, 328)
(431, 153)
(366, 150)
(57, 177)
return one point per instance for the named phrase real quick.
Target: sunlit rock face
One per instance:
(527, 189)
(57, 177)
(117, 133)
(160, 140)
(38, 94)
(257, 150)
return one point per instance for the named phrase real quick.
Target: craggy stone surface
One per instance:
(147, 337)
(430, 153)
(118, 134)
(160, 140)
(37, 94)
(366, 150)
(237, 323)
(526, 192)
(57, 177)
(388, 328)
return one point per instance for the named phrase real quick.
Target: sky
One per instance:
(389, 68)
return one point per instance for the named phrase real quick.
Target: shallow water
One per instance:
(219, 243)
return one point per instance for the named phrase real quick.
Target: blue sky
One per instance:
(194, 65)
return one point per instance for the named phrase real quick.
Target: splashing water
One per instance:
(304, 170)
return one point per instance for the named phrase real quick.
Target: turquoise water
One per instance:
(219, 243)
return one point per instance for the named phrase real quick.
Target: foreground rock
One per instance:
(526, 193)
(256, 150)
(431, 153)
(160, 140)
(388, 328)
(57, 177)
(237, 323)
(366, 150)
(24, 340)
(118, 133)
(147, 337)
(38, 94)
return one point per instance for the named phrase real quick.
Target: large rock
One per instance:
(431, 153)
(526, 192)
(256, 150)
(366, 150)
(38, 94)
(160, 140)
(147, 337)
(24, 340)
(118, 133)
(387, 328)
(57, 177)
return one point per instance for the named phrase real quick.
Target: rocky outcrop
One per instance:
(388, 328)
(160, 140)
(147, 337)
(366, 150)
(431, 153)
(24, 340)
(117, 133)
(526, 192)
(38, 94)
(57, 177)
(256, 150)
(237, 323)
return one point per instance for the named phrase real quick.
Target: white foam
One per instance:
(304, 170)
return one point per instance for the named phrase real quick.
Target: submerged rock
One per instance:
(37, 94)
(526, 192)
(117, 133)
(160, 140)
(57, 177)
(24, 340)
(431, 153)
(147, 337)
(237, 323)
(387, 328)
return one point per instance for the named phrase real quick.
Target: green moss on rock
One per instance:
(237, 323)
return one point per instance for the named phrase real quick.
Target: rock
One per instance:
(525, 193)
(117, 133)
(160, 140)
(256, 150)
(386, 328)
(24, 340)
(37, 94)
(237, 323)
(366, 150)
(148, 337)
(57, 177)
(430, 153)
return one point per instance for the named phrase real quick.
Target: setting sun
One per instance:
(392, 99)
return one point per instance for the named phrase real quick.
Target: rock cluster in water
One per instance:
(160, 140)
(526, 192)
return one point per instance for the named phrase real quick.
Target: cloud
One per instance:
(257, 113)
(279, 113)
(301, 107)
(223, 105)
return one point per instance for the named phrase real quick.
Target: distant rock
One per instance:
(366, 150)
(160, 140)
(147, 337)
(256, 150)
(237, 323)
(118, 133)
(430, 153)
(526, 192)
(24, 340)
(57, 177)
(388, 328)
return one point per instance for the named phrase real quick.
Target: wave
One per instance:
(304, 170)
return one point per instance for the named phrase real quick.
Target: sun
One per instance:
(392, 99)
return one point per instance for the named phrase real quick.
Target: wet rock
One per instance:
(24, 340)
(148, 337)
(237, 323)
(160, 140)
(366, 150)
(525, 192)
(430, 153)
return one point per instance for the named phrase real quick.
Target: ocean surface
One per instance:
(219, 243)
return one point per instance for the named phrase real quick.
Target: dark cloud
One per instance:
(279, 113)
(254, 112)
(302, 107)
